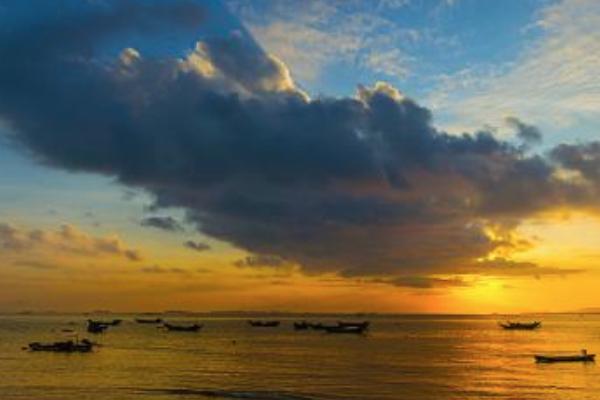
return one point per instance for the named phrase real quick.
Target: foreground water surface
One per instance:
(402, 357)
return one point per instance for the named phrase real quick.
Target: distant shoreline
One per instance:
(285, 314)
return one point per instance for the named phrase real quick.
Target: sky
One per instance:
(435, 156)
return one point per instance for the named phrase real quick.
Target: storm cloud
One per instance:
(360, 186)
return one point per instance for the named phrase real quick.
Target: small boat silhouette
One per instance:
(183, 328)
(96, 326)
(527, 326)
(582, 357)
(352, 329)
(149, 321)
(69, 346)
(263, 324)
(363, 324)
(301, 326)
(319, 326)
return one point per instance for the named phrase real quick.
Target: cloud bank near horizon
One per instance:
(362, 186)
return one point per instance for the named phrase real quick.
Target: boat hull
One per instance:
(556, 359)
(264, 324)
(356, 330)
(518, 326)
(148, 321)
(62, 347)
(176, 328)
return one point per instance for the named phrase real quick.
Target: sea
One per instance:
(401, 357)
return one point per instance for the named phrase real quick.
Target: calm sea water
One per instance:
(404, 357)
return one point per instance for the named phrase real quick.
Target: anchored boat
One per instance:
(149, 321)
(346, 324)
(301, 326)
(352, 329)
(96, 326)
(69, 346)
(263, 324)
(583, 357)
(526, 326)
(183, 328)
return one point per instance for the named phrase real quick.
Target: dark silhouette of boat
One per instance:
(263, 324)
(583, 357)
(341, 327)
(183, 328)
(149, 321)
(96, 326)
(301, 326)
(363, 324)
(69, 346)
(524, 326)
(319, 326)
(352, 329)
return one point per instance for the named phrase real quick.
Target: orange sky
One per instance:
(70, 270)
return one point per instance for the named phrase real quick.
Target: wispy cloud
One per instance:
(157, 269)
(311, 35)
(67, 239)
(553, 83)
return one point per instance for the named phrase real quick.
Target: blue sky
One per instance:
(472, 62)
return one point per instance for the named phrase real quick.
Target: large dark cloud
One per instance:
(362, 185)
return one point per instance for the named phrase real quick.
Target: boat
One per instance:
(582, 357)
(69, 346)
(114, 322)
(183, 328)
(96, 326)
(524, 326)
(319, 326)
(263, 324)
(301, 326)
(346, 329)
(149, 321)
(363, 324)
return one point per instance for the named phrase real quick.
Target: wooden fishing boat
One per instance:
(69, 346)
(526, 326)
(183, 328)
(363, 324)
(114, 322)
(301, 326)
(149, 321)
(346, 329)
(96, 326)
(319, 326)
(263, 324)
(582, 357)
